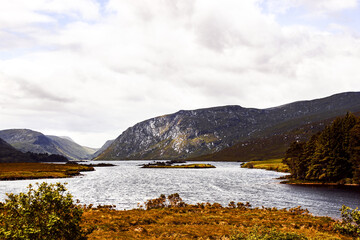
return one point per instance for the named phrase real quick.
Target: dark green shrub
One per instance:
(47, 212)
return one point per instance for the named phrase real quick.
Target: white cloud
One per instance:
(101, 74)
(317, 6)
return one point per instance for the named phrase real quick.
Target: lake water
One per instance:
(126, 185)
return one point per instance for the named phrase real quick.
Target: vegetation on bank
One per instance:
(330, 156)
(49, 211)
(17, 171)
(171, 218)
(272, 164)
(180, 166)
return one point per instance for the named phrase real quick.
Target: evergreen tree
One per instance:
(329, 156)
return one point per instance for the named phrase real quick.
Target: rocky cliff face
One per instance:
(197, 132)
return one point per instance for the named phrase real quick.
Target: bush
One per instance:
(43, 213)
(258, 233)
(350, 223)
(173, 200)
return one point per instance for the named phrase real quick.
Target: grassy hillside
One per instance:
(71, 149)
(264, 148)
(10, 154)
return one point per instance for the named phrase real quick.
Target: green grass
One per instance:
(272, 164)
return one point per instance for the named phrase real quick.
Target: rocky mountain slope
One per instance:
(27, 140)
(264, 148)
(197, 132)
(103, 148)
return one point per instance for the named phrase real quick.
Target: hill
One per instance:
(27, 140)
(10, 154)
(71, 149)
(189, 134)
(103, 148)
(263, 148)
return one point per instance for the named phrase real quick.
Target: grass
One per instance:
(207, 221)
(181, 166)
(272, 164)
(19, 171)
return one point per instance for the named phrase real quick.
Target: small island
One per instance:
(169, 164)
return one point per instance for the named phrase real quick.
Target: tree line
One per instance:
(332, 155)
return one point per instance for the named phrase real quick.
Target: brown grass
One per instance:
(272, 164)
(181, 166)
(206, 222)
(17, 171)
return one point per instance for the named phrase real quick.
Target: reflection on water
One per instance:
(127, 184)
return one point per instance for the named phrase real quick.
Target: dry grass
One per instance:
(206, 222)
(181, 166)
(17, 171)
(272, 164)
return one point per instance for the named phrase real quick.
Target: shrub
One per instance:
(43, 213)
(258, 233)
(173, 200)
(350, 223)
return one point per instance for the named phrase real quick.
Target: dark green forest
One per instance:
(330, 156)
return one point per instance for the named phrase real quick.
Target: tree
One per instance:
(294, 159)
(47, 212)
(355, 151)
(332, 155)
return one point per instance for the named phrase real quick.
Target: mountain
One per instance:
(103, 148)
(263, 148)
(27, 140)
(10, 154)
(69, 148)
(188, 134)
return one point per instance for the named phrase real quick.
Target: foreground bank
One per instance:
(46, 210)
(209, 221)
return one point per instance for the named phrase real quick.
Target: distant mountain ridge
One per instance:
(103, 148)
(27, 140)
(8, 154)
(189, 134)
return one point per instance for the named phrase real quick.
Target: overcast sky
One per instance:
(89, 69)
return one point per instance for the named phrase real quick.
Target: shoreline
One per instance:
(289, 182)
(31, 171)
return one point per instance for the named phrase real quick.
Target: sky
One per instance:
(89, 69)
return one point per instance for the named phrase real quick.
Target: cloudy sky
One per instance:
(89, 69)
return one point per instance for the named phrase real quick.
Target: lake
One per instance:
(126, 185)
